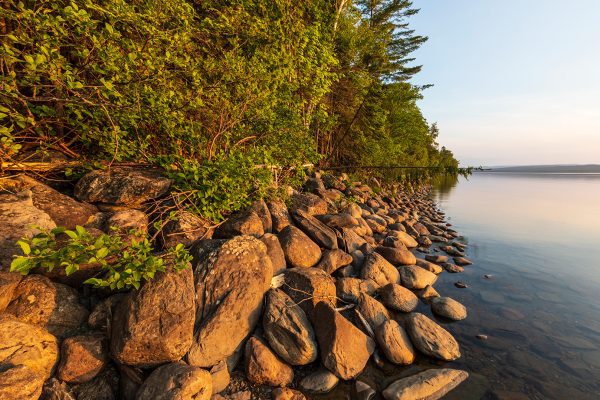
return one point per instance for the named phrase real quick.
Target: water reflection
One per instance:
(444, 184)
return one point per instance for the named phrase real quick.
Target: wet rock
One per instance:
(482, 337)
(461, 285)
(8, 283)
(176, 381)
(414, 277)
(308, 202)
(364, 391)
(397, 255)
(350, 289)
(406, 239)
(263, 367)
(280, 215)
(372, 311)
(319, 382)
(320, 233)
(101, 316)
(448, 308)
(309, 286)
(262, 210)
(20, 382)
(398, 298)
(436, 258)
(352, 241)
(452, 251)
(121, 186)
(462, 261)
(28, 345)
(82, 358)
(341, 220)
(431, 339)
(154, 325)
(220, 377)
(300, 251)
(275, 252)
(344, 349)
(288, 330)
(429, 266)
(332, 260)
(453, 268)
(39, 301)
(230, 286)
(186, 229)
(242, 223)
(287, 394)
(432, 384)
(428, 293)
(395, 343)
(424, 241)
(377, 269)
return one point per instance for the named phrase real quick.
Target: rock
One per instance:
(461, 285)
(396, 255)
(101, 316)
(280, 215)
(121, 186)
(341, 220)
(105, 386)
(230, 285)
(186, 228)
(436, 258)
(262, 210)
(453, 268)
(352, 241)
(395, 343)
(452, 251)
(364, 391)
(288, 330)
(429, 266)
(354, 210)
(20, 219)
(372, 311)
(201, 249)
(319, 382)
(358, 259)
(28, 345)
(20, 382)
(263, 367)
(299, 250)
(242, 223)
(82, 358)
(414, 277)
(424, 241)
(448, 308)
(8, 283)
(308, 202)
(379, 270)
(176, 381)
(398, 298)
(56, 390)
(220, 377)
(428, 293)
(432, 384)
(482, 337)
(125, 221)
(431, 339)
(332, 260)
(287, 394)
(350, 289)
(462, 261)
(39, 301)
(345, 350)
(275, 252)
(155, 325)
(309, 286)
(320, 233)
(406, 239)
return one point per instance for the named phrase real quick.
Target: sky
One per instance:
(516, 82)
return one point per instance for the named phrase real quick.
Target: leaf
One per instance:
(101, 253)
(24, 247)
(80, 230)
(20, 264)
(71, 268)
(70, 234)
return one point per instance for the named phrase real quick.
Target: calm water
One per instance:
(538, 236)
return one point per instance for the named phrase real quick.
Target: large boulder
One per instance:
(262, 210)
(312, 204)
(275, 252)
(341, 220)
(398, 298)
(29, 345)
(320, 233)
(432, 384)
(230, 286)
(39, 301)
(431, 339)
(82, 358)
(344, 348)
(176, 381)
(185, 228)
(8, 283)
(20, 219)
(288, 330)
(448, 308)
(372, 311)
(397, 255)
(263, 367)
(299, 249)
(242, 223)
(395, 343)
(309, 286)
(379, 270)
(406, 239)
(429, 266)
(414, 277)
(154, 325)
(280, 215)
(352, 241)
(20, 382)
(350, 289)
(332, 260)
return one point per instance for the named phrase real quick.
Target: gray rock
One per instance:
(319, 382)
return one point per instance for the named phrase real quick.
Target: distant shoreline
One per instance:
(548, 169)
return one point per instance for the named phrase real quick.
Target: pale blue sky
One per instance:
(516, 81)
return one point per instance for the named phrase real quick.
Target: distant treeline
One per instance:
(557, 169)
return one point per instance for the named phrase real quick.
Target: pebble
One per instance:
(461, 285)
(482, 337)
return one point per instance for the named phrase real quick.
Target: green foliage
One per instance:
(123, 265)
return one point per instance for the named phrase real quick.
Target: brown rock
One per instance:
(279, 215)
(372, 311)
(220, 377)
(263, 367)
(20, 382)
(320, 233)
(320, 381)
(398, 298)
(82, 358)
(186, 229)
(432, 384)
(243, 223)
(332, 260)
(395, 343)
(406, 239)
(309, 286)
(462, 261)
(448, 308)
(312, 204)
(299, 249)
(352, 241)
(287, 394)
(350, 289)
(428, 293)
(414, 277)
(8, 283)
(396, 255)
(429, 266)
(275, 252)
(379, 270)
(176, 381)
(262, 210)
(342, 220)
(436, 258)
(56, 390)
(105, 386)
(431, 339)
(127, 221)
(101, 316)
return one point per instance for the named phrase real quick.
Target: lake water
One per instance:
(538, 235)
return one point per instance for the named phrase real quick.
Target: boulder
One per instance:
(309, 286)
(320, 233)
(176, 381)
(122, 186)
(432, 384)
(155, 325)
(105, 386)
(28, 345)
(201, 249)
(350, 289)
(20, 382)
(379, 270)
(436, 258)
(428, 293)
(344, 348)
(462, 261)
(363, 391)
(308, 202)
(242, 223)
(299, 249)
(341, 220)
(352, 241)
(332, 260)
(406, 239)
(101, 316)
(263, 367)
(313, 184)
(395, 343)
(319, 382)
(220, 377)
(397, 255)
(125, 221)
(287, 394)
(230, 285)
(82, 358)
(39, 301)
(275, 252)
(431, 339)
(429, 266)
(453, 268)
(372, 311)
(288, 330)
(398, 298)
(414, 277)
(8, 283)
(186, 228)
(20, 219)
(448, 308)
(280, 215)
(262, 210)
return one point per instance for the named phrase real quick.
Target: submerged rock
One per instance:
(432, 384)
(448, 308)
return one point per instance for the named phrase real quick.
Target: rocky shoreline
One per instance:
(280, 301)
